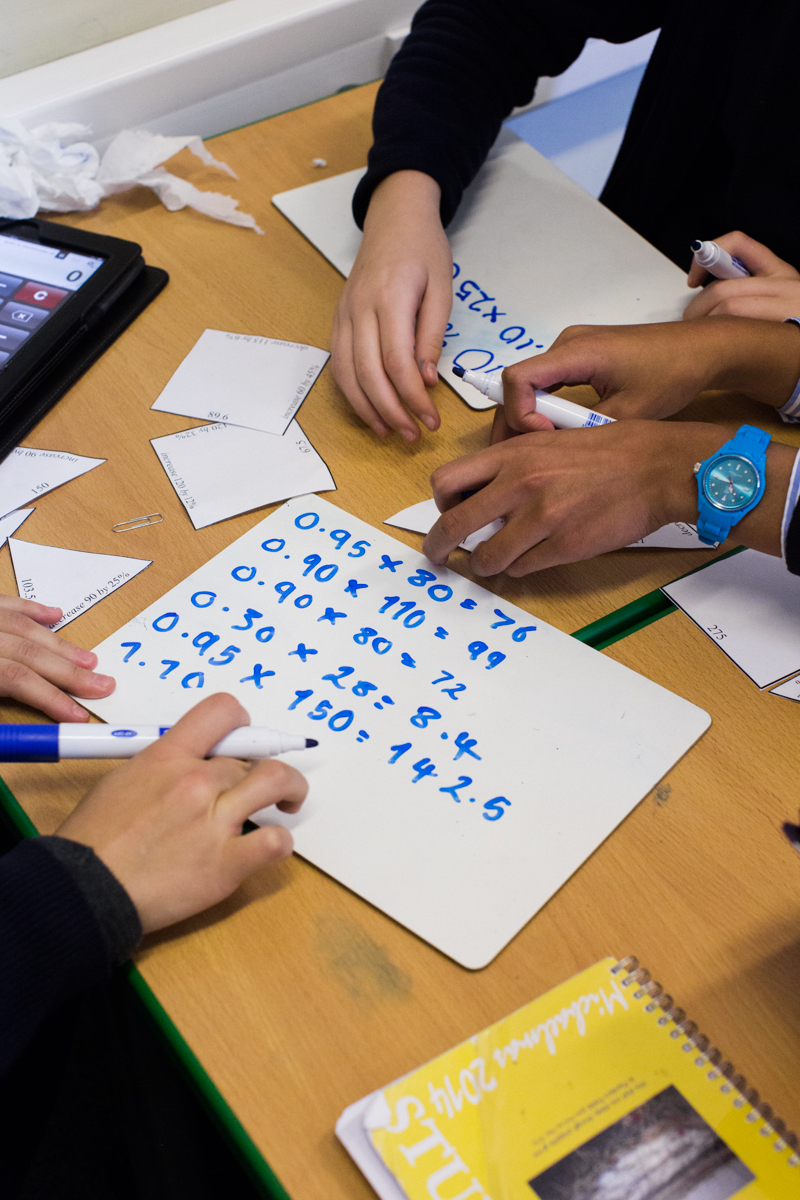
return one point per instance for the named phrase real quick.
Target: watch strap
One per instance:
(714, 525)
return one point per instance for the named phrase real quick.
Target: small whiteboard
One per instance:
(533, 253)
(470, 755)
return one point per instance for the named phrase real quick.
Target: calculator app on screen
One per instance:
(35, 282)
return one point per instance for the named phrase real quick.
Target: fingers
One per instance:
(260, 847)
(402, 348)
(697, 275)
(21, 657)
(758, 258)
(370, 359)
(502, 551)
(28, 687)
(266, 783)
(344, 370)
(460, 517)
(199, 730)
(432, 319)
(26, 618)
(501, 430)
(771, 299)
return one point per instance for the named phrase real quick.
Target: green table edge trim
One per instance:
(639, 613)
(221, 1112)
(599, 634)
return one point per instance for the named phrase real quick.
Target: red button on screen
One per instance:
(41, 294)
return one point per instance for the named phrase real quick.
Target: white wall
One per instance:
(232, 63)
(39, 31)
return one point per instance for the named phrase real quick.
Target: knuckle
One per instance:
(13, 674)
(281, 775)
(450, 525)
(439, 477)
(395, 360)
(26, 651)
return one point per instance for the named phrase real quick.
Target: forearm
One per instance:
(65, 921)
(463, 68)
(758, 358)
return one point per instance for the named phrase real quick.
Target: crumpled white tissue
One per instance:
(50, 168)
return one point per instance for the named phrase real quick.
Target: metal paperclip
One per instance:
(138, 522)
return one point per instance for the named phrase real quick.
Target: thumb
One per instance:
(570, 363)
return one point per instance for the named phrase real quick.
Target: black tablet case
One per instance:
(49, 388)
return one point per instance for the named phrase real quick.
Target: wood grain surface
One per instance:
(298, 997)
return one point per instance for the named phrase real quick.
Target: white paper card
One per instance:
(27, 474)
(533, 253)
(242, 379)
(219, 471)
(471, 756)
(11, 523)
(749, 605)
(421, 518)
(790, 689)
(72, 580)
(351, 1130)
(677, 536)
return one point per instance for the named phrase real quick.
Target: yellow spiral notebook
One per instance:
(599, 1090)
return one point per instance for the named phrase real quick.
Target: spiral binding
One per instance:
(708, 1055)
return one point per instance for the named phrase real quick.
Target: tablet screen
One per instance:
(35, 281)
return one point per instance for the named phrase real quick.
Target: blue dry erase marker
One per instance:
(718, 262)
(50, 743)
(563, 413)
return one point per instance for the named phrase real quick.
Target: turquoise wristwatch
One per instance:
(730, 483)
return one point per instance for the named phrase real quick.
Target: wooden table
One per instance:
(296, 996)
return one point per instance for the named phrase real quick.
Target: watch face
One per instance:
(731, 482)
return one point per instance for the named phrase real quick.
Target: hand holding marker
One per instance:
(563, 413)
(718, 262)
(51, 743)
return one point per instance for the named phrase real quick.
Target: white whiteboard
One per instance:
(545, 744)
(528, 243)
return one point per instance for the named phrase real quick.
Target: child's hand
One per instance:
(168, 823)
(38, 667)
(392, 316)
(773, 292)
(576, 493)
(653, 371)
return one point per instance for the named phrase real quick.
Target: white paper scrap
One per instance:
(220, 471)
(11, 523)
(749, 604)
(678, 536)
(72, 580)
(242, 379)
(470, 755)
(421, 518)
(27, 474)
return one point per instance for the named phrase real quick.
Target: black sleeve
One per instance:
(65, 921)
(792, 546)
(465, 65)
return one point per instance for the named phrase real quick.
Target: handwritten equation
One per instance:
(323, 640)
(458, 781)
(481, 336)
